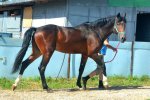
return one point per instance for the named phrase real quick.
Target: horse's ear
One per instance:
(118, 15)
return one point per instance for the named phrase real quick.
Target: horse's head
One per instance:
(119, 26)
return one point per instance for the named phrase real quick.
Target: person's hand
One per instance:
(114, 49)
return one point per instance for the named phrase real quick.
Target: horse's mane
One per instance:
(99, 22)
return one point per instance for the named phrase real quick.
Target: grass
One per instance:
(35, 83)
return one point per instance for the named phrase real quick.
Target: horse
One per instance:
(86, 39)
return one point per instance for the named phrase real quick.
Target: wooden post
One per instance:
(68, 70)
(132, 59)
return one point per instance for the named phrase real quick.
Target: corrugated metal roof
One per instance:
(21, 2)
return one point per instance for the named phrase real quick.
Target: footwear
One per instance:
(103, 85)
(100, 86)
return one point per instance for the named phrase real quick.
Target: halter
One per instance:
(115, 27)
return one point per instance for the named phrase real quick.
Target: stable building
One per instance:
(16, 16)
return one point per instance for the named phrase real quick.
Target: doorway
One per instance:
(143, 27)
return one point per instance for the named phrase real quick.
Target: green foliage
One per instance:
(5, 83)
(128, 81)
(62, 83)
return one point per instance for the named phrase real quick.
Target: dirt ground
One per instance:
(113, 93)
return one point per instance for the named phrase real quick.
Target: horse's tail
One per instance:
(22, 52)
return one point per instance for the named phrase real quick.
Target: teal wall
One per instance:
(121, 65)
(8, 51)
(141, 65)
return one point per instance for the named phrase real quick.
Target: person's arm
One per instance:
(109, 46)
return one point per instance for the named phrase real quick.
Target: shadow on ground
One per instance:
(121, 88)
(96, 89)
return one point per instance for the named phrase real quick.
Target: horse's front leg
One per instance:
(81, 69)
(103, 82)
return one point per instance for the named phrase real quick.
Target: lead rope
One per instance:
(61, 66)
(114, 55)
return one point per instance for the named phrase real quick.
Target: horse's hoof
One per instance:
(48, 90)
(79, 85)
(80, 88)
(84, 83)
(84, 88)
(101, 87)
(106, 86)
(14, 87)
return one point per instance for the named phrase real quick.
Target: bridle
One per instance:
(115, 27)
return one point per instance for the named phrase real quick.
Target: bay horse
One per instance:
(86, 39)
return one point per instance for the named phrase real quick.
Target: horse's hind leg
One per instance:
(46, 44)
(81, 69)
(42, 67)
(35, 54)
(23, 67)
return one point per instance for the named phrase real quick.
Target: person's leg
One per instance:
(95, 72)
(85, 79)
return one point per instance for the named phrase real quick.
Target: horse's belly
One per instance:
(74, 48)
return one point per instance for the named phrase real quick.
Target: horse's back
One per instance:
(66, 39)
(64, 34)
(47, 28)
(69, 34)
(70, 40)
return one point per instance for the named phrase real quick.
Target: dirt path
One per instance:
(113, 93)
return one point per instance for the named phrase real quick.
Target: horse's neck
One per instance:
(107, 30)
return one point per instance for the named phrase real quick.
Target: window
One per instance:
(1, 12)
(143, 27)
(14, 12)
